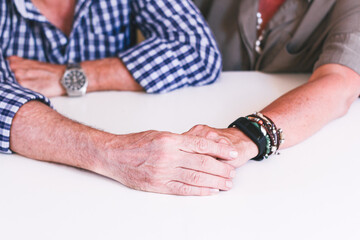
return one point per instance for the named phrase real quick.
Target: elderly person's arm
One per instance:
(150, 161)
(329, 93)
(178, 51)
(301, 112)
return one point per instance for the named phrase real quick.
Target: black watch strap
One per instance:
(254, 133)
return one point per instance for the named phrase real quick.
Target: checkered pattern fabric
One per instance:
(179, 49)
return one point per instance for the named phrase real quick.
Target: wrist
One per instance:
(109, 74)
(111, 155)
(244, 143)
(101, 151)
(92, 75)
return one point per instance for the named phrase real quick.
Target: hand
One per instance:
(169, 163)
(245, 147)
(38, 76)
(103, 74)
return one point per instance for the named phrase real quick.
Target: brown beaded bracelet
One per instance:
(276, 135)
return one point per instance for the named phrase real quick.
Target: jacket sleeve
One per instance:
(342, 45)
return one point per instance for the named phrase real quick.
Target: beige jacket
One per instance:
(301, 36)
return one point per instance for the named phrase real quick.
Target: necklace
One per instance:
(266, 10)
(260, 38)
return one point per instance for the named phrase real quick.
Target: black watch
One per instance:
(254, 133)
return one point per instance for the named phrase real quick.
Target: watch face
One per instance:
(74, 80)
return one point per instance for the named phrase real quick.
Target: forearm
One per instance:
(150, 161)
(38, 132)
(306, 109)
(109, 74)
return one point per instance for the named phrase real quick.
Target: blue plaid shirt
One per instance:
(179, 49)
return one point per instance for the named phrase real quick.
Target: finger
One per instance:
(200, 179)
(207, 165)
(209, 133)
(14, 58)
(194, 144)
(36, 74)
(20, 74)
(237, 163)
(178, 188)
(16, 62)
(225, 141)
(197, 129)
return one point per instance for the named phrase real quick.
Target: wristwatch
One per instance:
(74, 80)
(255, 134)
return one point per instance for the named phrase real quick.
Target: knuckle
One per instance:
(185, 190)
(178, 188)
(204, 162)
(220, 184)
(212, 134)
(164, 139)
(202, 144)
(198, 127)
(194, 177)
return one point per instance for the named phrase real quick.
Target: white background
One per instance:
(310, 191)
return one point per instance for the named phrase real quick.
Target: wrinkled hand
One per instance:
(245, 147)
(169, 163)
(38, 76)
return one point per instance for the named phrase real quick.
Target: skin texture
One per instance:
(199, 162)
(153, 161)
(301, 112)
(103, 74)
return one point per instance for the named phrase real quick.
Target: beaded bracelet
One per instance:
(263, 132)
(276, 135)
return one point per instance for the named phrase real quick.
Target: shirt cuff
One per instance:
(12, 98)
(154, 67)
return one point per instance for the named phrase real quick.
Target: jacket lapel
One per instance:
(316, 13)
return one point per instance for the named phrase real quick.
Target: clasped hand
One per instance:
(200, 162)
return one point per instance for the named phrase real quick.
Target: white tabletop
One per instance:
(310, 191)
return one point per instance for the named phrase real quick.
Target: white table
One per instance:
(310, 191)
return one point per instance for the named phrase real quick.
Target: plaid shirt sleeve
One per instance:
(12, 97)
(179, 49)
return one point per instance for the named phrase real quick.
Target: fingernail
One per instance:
(214, 191)
(234, 154)
(232, 173)
(228, 184)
